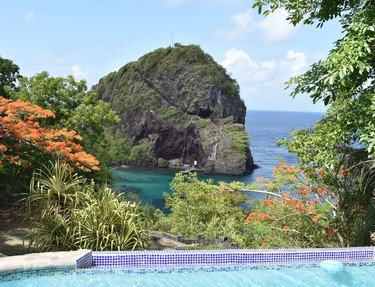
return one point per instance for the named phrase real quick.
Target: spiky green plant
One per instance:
(68, 212)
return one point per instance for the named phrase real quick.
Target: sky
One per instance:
(89, 39)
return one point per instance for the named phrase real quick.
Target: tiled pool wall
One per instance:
(230, 257)
(92, 262)
(85, 261)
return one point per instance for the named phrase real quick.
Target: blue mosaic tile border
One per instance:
(85, 261)
(33, 273)
(98, 271)
(231, 257)
(186, 258)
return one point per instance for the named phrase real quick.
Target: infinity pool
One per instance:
(353, 275)
(351, 267)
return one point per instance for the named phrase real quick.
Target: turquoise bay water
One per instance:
(265, 129)
(288, 277)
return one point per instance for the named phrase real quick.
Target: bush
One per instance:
(162, 162)
(203, 207)
(298, 212)
(69, 212)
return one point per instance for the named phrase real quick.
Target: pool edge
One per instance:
(179, 258)
(52, 260)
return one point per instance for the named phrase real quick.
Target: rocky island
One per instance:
(178, 107)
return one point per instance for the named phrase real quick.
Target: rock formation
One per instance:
(179, 107)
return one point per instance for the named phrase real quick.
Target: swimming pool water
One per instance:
(354, 275)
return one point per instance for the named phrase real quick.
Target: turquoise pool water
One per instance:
(353, 275)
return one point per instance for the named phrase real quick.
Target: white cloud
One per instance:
(275, 27)
(262, 82)
(78, 72)
(246, 70)
(294, 63)
(239, 27)
(29, 17)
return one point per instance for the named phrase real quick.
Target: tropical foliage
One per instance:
(298, 211)
(327, 201)
(203, 207)
(9, 74)
(72, 104)
(24, 141)
(69, 212)
(342, 145)
(51, 116)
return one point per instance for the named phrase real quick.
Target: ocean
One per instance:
(265, 129)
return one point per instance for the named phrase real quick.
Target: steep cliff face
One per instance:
(178, 106)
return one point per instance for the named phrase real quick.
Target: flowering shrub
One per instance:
(296, 212)
(22, 135)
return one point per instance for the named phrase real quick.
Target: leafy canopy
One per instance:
(311, 208)
(9, 74)
(343, 142)
(72, 104)
(345, 79)
(21, 135)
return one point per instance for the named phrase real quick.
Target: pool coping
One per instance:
(51, 260)
(180, 258)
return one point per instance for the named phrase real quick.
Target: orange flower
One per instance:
(264, 216)
(285, 227)
(251, 216)
(263, 245)
(322, 190)
(317, 217)
(345, 173)
(330, 232)
(321, 173)
(258, 216)
(303, 192)
(268, 201)
(18, 123)
(3, 148)
(290, 169)
(280, 167)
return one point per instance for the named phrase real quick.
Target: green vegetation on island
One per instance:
(177, 103)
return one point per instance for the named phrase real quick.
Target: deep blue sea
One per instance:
(265, 129)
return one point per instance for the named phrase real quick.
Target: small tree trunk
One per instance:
(13, 184)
